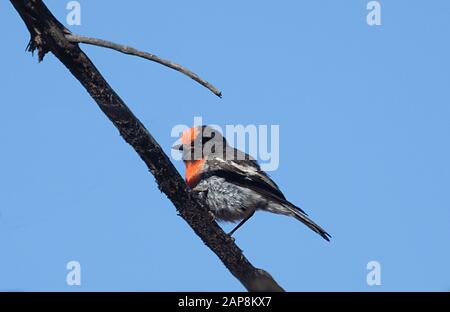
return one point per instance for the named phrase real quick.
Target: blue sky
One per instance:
(364, 130)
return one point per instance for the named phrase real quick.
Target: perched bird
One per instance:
(231, 182)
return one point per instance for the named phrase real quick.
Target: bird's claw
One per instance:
(200, 189)
(211, 214)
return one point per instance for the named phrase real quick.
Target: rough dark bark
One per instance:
(48, 35)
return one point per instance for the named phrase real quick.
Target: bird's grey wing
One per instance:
(247, 174)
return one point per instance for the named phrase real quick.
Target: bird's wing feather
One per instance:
(247, 173)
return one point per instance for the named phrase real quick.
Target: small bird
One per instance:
(231, 181)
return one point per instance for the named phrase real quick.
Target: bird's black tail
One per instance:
(301, 216)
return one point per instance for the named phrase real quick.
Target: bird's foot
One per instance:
(199, 189)
(201, 192)
(211, 214)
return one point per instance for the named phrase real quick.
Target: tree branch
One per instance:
(132, 51)
(48, 35)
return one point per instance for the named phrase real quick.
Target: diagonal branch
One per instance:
(149, 56)
(48, 35)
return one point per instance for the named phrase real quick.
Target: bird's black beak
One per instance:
(177, 147)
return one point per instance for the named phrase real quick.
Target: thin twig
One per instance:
(149, 56)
